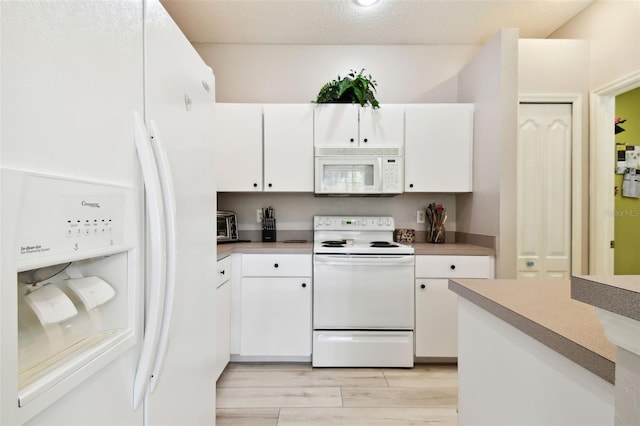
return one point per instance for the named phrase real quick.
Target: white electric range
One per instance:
(363, 295)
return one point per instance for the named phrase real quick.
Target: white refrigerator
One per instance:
(107, 309)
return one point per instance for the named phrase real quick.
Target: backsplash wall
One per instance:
(295, 211)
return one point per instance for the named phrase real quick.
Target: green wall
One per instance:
(627, 210)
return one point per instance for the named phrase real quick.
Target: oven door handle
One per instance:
(363, 260)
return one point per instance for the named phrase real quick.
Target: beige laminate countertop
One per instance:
(544, 310)
(257, 247)
(619, 294)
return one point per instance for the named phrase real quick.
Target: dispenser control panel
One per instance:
(61, 217)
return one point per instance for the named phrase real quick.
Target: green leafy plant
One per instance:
(350, 89)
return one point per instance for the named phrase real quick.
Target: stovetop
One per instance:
(356, 235)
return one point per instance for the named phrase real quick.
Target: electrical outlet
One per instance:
(259, 215)
(420, 216)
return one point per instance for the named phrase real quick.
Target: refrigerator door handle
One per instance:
(168, 197)
(155, 284)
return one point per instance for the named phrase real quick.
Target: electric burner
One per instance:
(334, 243)
(382, 244)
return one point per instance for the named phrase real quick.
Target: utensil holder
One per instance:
(436, 234)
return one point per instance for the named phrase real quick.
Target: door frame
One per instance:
(577, 193)
(602, 181)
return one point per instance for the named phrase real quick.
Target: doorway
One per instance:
(602, 183)
(544, 190)
(627, 193)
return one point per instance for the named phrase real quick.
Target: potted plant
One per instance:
(352, 88)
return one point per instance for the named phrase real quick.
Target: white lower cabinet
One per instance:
(436, 327)
(275, 307)
(223, 315)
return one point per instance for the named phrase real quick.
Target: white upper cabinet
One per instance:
(382, 126)
(438, 148)
(238, 143)
(348, 125)
(288, 147)
(336, 125)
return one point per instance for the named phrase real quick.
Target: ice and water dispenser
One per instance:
(76, 267)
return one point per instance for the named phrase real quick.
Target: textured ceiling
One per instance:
(387, 22)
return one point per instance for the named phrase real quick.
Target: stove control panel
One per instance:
(353, 223)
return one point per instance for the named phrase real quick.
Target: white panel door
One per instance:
(288, 147)
(335, 125)
(382, 126)
(436, 319)
(276, 317)
(238, 147)
(544, 191)
(438, 148)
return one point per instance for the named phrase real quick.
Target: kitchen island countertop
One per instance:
(544, 310)
(619, 294)
(258, 247)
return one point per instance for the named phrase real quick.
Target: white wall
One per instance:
(490, 82)
(613, 27)
(295, 73)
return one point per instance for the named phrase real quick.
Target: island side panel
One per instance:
(507, 378)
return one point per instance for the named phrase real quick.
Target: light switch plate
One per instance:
(420, 216)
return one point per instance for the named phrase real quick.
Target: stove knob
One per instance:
(388, 222)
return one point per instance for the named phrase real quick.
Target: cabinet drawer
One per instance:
(276, 265)
(224, 271)
(454, 267)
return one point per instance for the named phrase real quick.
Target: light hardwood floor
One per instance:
(297, 394)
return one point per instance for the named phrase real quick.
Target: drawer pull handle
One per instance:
(222, 272)
(275, 265)
(453, 267)
(423, 286)
(255, 185)
(304, 285)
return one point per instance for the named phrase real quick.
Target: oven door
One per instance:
(348, 175)
(366, 292)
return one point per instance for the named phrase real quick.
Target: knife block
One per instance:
(269, 230)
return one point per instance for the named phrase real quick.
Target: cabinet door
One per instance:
(335, 125)
(223, 326)
(238, 143)
(382, 126)
(288, 147)
(275, 317)
(436, 319)
(438, 148)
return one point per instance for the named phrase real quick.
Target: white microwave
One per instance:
(358, 171)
